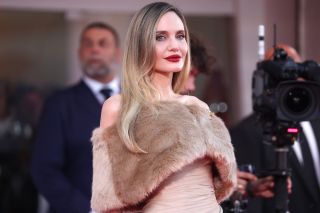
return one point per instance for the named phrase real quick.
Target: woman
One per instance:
(156, 150)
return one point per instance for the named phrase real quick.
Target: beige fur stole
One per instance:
(177, 136)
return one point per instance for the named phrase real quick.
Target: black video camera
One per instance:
(286, 91)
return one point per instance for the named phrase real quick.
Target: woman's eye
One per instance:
(181, 36)
(160, 37)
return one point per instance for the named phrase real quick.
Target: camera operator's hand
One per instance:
(243, 179)
(263, 187)
(289, 185)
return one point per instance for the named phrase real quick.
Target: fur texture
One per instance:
(177, 136)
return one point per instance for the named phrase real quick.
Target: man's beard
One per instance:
(96, 70)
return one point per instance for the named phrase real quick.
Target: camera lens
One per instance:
(297, 100)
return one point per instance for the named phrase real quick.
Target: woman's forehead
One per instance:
(170, 22)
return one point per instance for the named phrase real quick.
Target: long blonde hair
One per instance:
(138, 62)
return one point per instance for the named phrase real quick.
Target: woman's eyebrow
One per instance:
(163, 31)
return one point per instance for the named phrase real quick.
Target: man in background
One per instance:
(62, 159)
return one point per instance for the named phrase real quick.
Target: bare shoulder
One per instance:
(192, 100)
(110, 111)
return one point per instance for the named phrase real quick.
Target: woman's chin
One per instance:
(169, 70)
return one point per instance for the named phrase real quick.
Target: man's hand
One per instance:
(243, 179)
(262, 187)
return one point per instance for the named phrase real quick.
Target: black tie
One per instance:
(106, 92)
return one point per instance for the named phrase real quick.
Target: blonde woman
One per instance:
(156, 150)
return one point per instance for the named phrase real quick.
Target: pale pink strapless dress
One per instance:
(190, 190)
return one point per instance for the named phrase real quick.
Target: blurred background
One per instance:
(39, 41)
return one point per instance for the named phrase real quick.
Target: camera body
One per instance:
(286, 91)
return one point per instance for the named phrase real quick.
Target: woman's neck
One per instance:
(163, 83)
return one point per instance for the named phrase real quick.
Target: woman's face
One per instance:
(171, 46)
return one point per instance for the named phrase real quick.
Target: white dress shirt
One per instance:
(313, 146)
(96, 86)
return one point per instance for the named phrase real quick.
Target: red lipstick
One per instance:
(173, 58)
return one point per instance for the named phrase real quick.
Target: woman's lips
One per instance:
(173, 58)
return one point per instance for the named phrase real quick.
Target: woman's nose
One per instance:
(173, 45)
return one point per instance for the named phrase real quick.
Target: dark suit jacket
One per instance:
(62, 158)
(249, 149)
